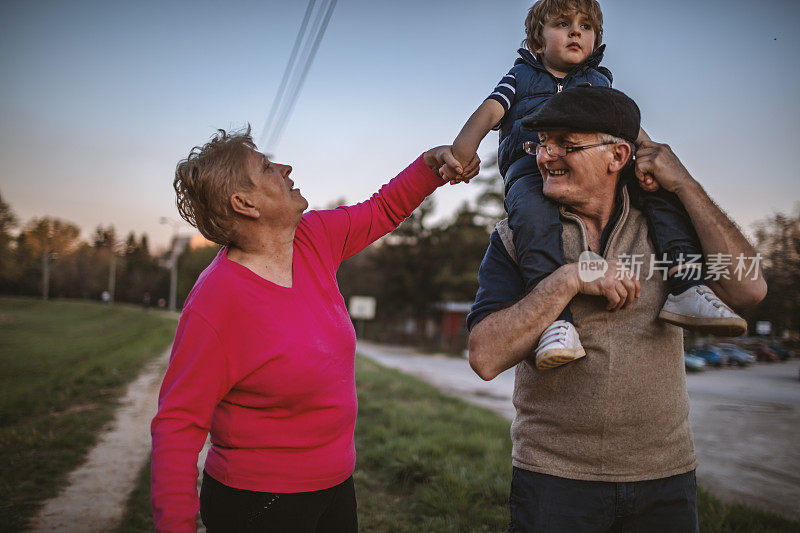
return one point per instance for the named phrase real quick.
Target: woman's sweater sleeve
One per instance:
(352, 228)
(195, 382)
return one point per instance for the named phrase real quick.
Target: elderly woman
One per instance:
(264, 352)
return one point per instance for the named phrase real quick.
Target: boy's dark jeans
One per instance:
(226, 509)
(543, 503)
(536, 226)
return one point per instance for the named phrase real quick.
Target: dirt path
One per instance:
(94, 499)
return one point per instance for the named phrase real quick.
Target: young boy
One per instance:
(563, 49)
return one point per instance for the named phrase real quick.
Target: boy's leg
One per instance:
(536, 230)
(690, 304)
(672, 233)
(535, 224)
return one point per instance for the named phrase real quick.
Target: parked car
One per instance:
(766, 353)
(693, 363)
(711, 355)
(736, 356)
(782, 352)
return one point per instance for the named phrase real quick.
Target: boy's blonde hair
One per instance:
(546, 9)
(206, 179)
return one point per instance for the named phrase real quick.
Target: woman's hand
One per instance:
(442, 162)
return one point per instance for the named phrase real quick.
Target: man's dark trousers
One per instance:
(544, 503)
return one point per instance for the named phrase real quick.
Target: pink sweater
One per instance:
(269, 370)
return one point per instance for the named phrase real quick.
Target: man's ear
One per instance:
(620, 154)
(242, 205)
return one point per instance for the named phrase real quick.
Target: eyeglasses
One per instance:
(556, 150)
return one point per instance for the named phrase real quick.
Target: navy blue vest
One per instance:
(535, 85)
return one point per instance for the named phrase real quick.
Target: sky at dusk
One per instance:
(100, 99)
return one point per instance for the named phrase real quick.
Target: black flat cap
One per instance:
(588, 109)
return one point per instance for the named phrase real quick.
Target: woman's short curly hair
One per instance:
(206, 179)
(546, 9)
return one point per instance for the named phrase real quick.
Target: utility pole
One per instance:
(173, 280)
(45, 273)
(112, 274)
(177, 248)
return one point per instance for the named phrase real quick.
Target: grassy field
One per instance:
(428, 462)
(62, 366)
(719, 517)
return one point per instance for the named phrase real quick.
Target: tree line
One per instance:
(47, 257)
(409, 272)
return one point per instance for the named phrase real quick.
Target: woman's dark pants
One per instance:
(225, 509)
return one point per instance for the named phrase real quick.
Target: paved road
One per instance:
(746, 422)
(746, 425)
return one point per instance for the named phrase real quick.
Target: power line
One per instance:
(284, 118)
(289, 66)
(291, 96)
(297, 72)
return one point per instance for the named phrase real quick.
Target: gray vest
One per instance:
(622, 412)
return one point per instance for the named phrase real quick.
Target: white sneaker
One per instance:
(558, 345)
(699, 309)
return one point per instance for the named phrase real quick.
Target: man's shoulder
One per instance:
(504, 232)
(500, 282)
(501, 244)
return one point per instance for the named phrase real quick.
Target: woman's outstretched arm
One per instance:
(352, 228)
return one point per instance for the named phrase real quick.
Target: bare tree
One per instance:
(778, 242)
(8, 221)
(48, 238)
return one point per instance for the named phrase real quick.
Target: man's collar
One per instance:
(618, 211)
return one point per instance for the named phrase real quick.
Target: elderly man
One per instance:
(602, 443)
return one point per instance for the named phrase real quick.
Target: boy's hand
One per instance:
(663, 165)
(459, 168)
(442, 161)
(468, 171)
(646, 181)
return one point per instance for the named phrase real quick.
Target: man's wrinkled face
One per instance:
(575, 177)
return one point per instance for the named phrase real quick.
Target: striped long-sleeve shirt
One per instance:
(505, 91)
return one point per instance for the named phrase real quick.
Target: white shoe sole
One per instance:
(718, 326)
(557, 357)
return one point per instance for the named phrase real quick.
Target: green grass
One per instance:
(426, 461)
(429, 462)
(138, 513)
(719, 517)
(63, 365)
